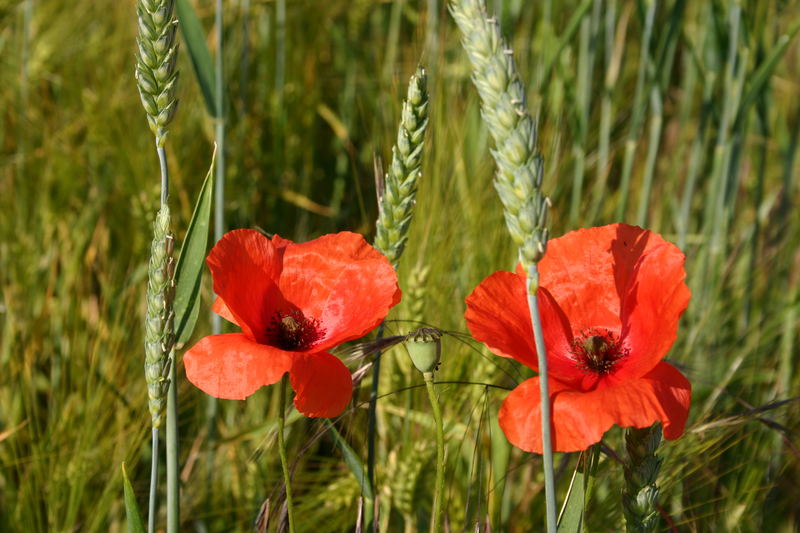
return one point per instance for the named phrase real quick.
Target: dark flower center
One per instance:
(292, 331)
(598, 350)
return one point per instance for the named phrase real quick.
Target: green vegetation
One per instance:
(681, 116)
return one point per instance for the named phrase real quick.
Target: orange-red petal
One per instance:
(342, 281)
(498, 315)
(589, 272)
(233, 366)
(581, 418)
(221, 308)
(651, 310)
(322, 384)
(245, 266)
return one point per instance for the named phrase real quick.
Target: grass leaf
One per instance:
(571, 519)
(135, 522)
(189, 271)
(199, 53)
(353, 462)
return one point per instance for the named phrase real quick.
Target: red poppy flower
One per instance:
(293, 302)
(610, 299)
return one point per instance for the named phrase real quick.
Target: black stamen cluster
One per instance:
(598, 350)
(292, 331)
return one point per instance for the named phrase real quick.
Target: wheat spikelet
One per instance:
(157, 52)
(641, 471)
(159, 320)
(397, 201)
(503, 105)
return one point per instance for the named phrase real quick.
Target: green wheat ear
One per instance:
(641, 472)
(157, 52)
(503, 105)
(396, 204)
(159, 336)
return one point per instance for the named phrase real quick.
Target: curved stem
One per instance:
(547, 443)
(287, 480)
(438, 501)
(151, 511)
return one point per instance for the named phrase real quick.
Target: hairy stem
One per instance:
(438, 501)
(287, 478)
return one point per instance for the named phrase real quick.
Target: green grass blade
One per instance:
(759, 78)
(571, 519)
(199, 53)
(189, 271)
(352, 461)
(135, 523)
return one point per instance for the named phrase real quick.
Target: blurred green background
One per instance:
(687, 124)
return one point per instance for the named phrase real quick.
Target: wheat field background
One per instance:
(688, 125)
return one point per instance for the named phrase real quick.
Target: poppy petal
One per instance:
(343, 282)
(246, 266)
(652, 309)
(589, 271)
(581, 418)
(322, 384)
(498, 315)
(221, 308)
(233, 366)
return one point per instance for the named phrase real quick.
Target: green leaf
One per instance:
(571, 519)
(189, 271)
(759, 78)
(135, 522)
(351, 459)
(195, 40)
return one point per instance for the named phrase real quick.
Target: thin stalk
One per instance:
(638, 111)
(173, 471)
(212, 407)
(153, 500)
(438, 500)
(656, 120)
(696, 157)
(287, 479)
(372, 423)
(583, 100)
(162, 161)
(606, 109)
(544, 392)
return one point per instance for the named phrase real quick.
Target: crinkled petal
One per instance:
(589, 272)
(246, 266)
(651, 310)
(322, 384)
(498, 315)
(232, 366)
(581, 418)
(342, 281)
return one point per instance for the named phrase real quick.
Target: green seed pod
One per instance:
(425, 348)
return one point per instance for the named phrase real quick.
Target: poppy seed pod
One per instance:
(424, 348)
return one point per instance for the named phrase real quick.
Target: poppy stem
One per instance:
(287, 479)
(547, 443)
(438, 501)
